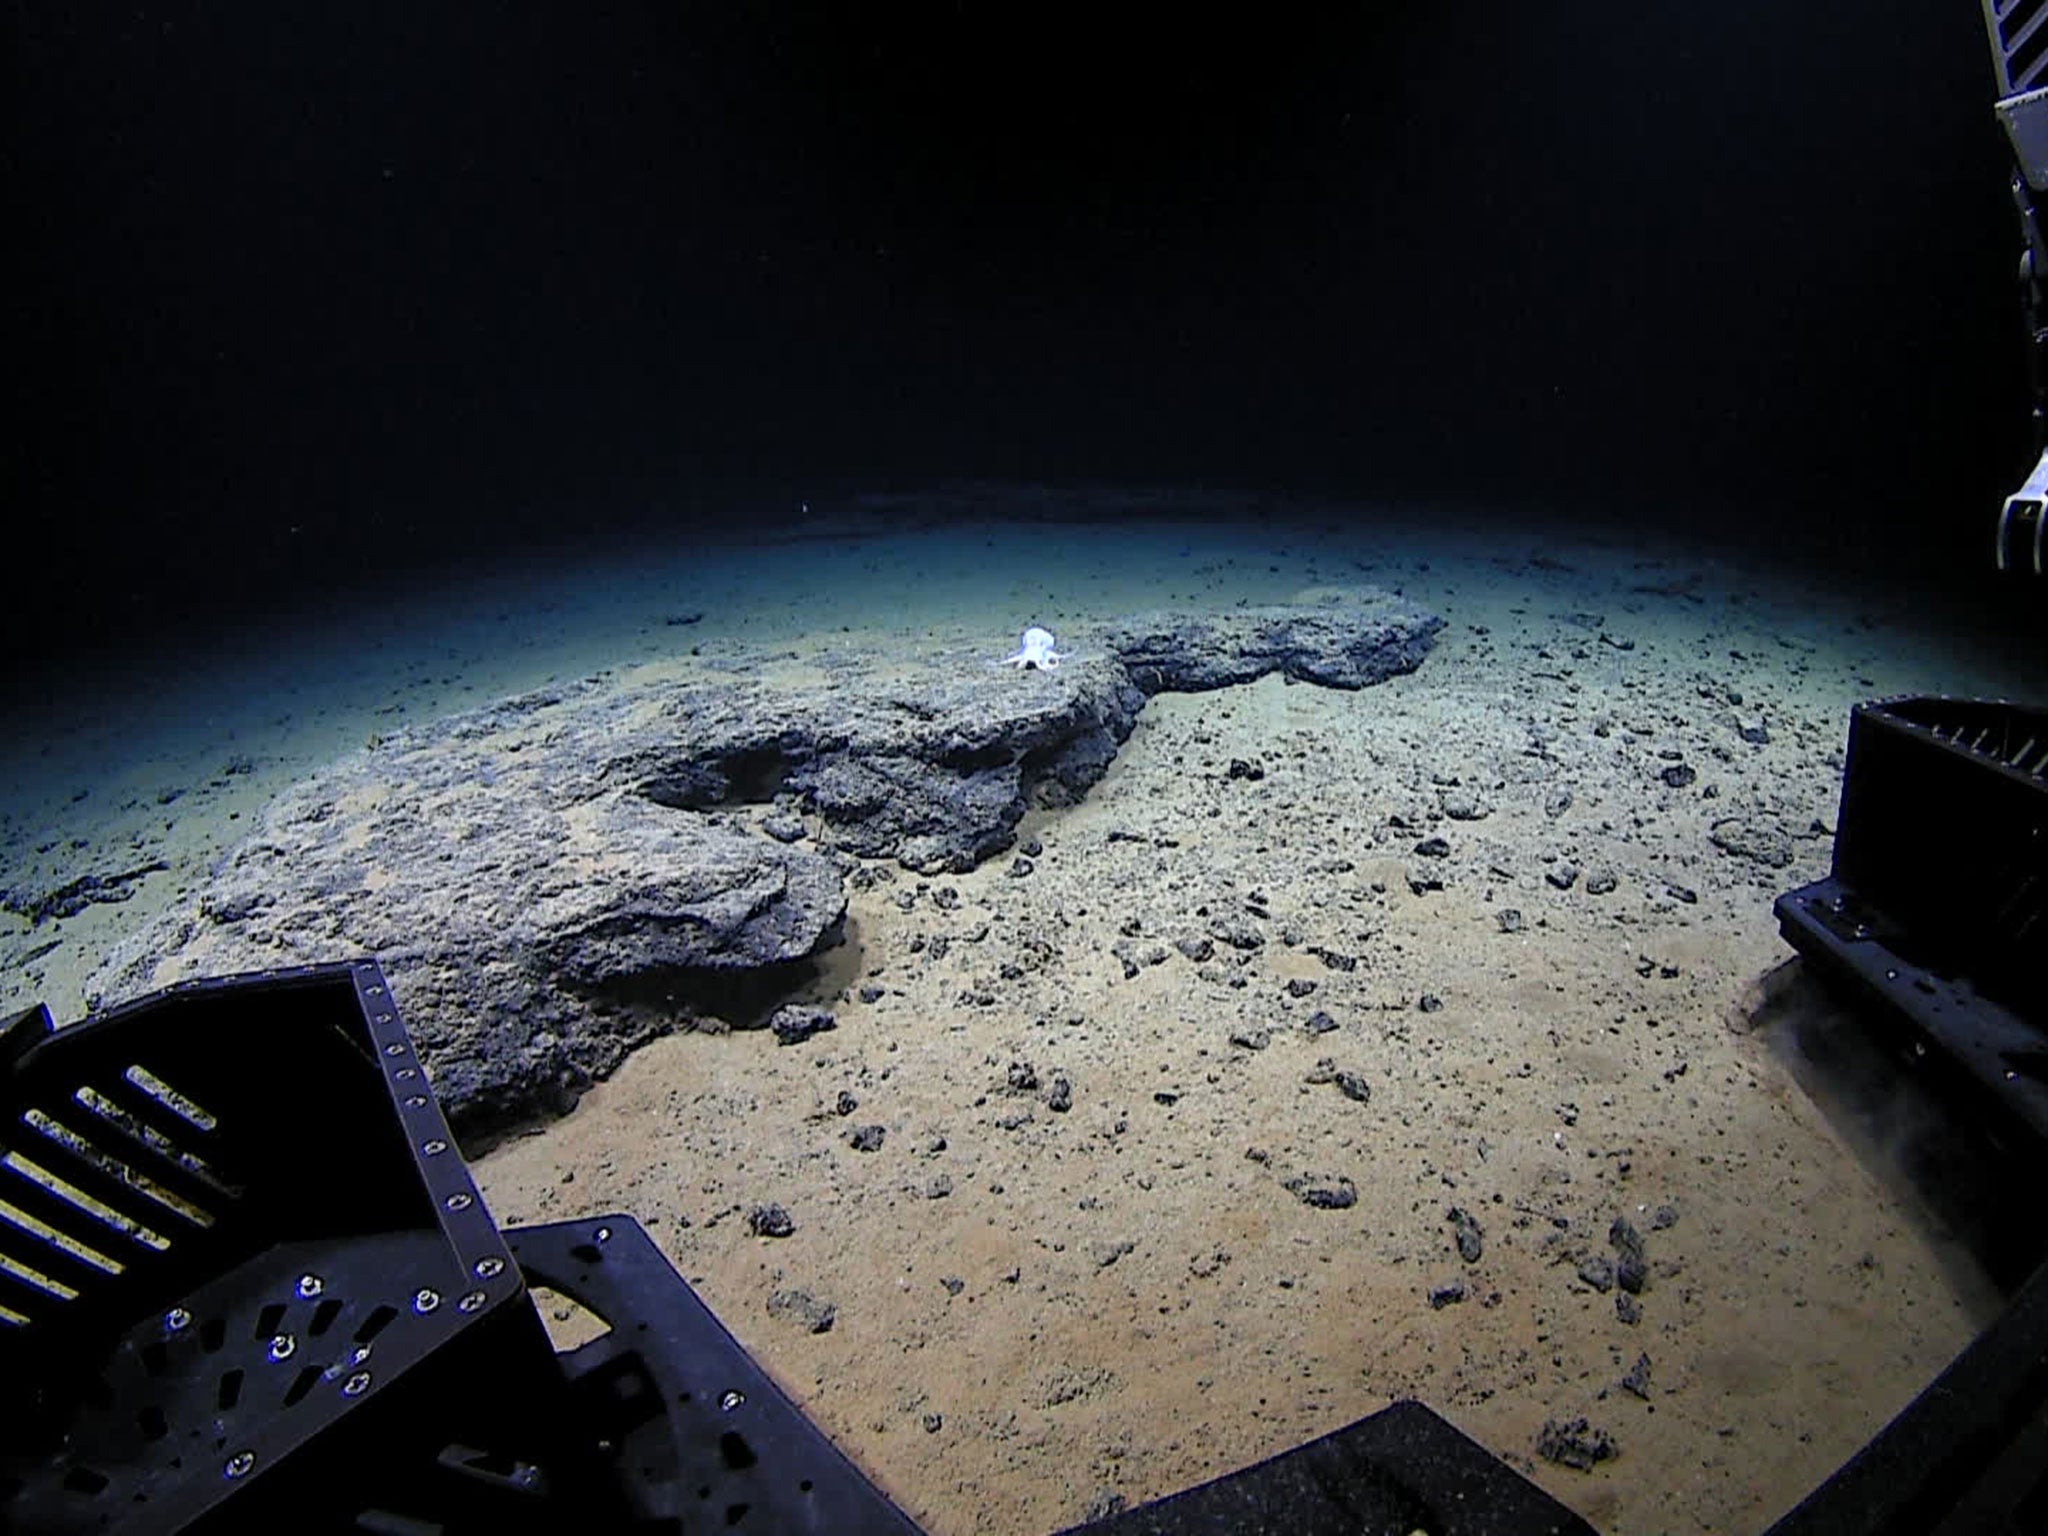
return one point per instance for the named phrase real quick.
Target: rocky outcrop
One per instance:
(1351, 639)
(554, 878)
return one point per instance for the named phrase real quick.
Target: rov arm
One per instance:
(2018, 33)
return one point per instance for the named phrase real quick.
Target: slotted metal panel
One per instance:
(2019, 43)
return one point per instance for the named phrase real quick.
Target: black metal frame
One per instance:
(328, 1333)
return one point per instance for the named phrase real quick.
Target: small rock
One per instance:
(795, 1023)
(783, 827)
(1429, 1002)
(1250, 1038)
(1320, 1023)
(1106, 1254)
(1563, 876)
(867, 1138)
(1020, 867)
(1441, 1296)
(1059, 1098)
(1574, 1443)
(1631, 1267)
(1102, 1506)
(953, 1283)
(769, 1221)
(1022, 1078)
(1433, 848)
(1352, 1085)
(1601, 883)
(1326, 1192)
(1508, 919)
(846, 1103)
(1471, 1240)
(1300, 986)
(1678, 775)
(1762, 842)
(1197, 949)
(1238, 933)
(1627, 1308)
(803, 1308)
(1637, 1380)
(1597, 1270)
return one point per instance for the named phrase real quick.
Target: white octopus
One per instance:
(1035, 650)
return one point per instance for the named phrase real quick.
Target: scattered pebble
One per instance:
(1631, 1267)
(1470, 1239)
(1637, 1381)
(1326, 1192)
(795, 1023)
(803, 1308)
(1574, 1443)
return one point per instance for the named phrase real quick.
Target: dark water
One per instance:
(304, 304)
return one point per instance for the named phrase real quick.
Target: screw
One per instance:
(489, 1267)
(460, 1202)
(356, 1385)
(472, 1302)
(434, 1148)
(604, 1234)
(177, 1320)
(394, 1049)
(283, 1346)
(416, 1101)
(311, 1286)
(425, 1299)
(241, 1464)
(732, 1399)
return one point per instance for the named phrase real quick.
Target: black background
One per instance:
(311, 291)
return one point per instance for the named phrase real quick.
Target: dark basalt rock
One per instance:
(555, 878)
(1346, 639)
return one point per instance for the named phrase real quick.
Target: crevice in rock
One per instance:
(706, 996)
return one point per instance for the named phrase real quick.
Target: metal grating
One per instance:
(2019, 43)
